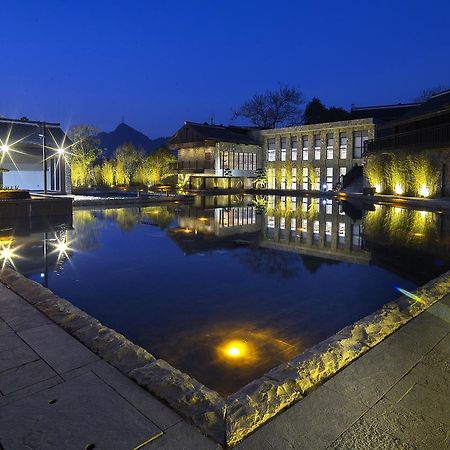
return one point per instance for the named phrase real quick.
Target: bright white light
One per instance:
(61, 151)
(398, 189)
(424, 191)
(5, 148)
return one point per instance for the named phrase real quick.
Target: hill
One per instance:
(123, 134)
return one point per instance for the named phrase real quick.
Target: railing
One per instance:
(194, 166)
(434, 137)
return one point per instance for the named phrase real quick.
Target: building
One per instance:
(401, 149)
(34, 156)
(410, 155)
(305, 157)
(314, 157)
(216, 156)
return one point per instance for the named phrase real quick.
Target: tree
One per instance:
(156, 167)
(279, 107)
(108, 173)
(127, 160)
(317, 112)
(426, 94)
(84, 153)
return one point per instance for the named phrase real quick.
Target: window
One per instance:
(316, 229)
(305, 179)
(343, 141)
(328, 231)
(293, 228)
(341, 232)
(316, 185)
(342, 172)
(305, 148)
(283, 148)
(304, 229)
(271, 178)
(356, 236)
(282, 223)
(294, 178)
(329, 180)
(271, 149)
(294, 148)
(283, 179)
(330, 145)
(329, 207)
(317, 146)
(294, 203)
(359, 137)
(304, 204)
(270, 222)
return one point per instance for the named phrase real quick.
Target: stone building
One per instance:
(314, 157)
(33, 156)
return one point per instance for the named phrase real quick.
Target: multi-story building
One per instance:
(305, 157)
(314, 157)
(216, 156)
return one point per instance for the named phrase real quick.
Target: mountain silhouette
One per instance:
(125, 134)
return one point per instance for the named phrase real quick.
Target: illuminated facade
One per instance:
(33, 156)
(305, 157)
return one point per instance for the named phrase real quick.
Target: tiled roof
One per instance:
(198, 132)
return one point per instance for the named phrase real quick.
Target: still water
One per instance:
(229, 287)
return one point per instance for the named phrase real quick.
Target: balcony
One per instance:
(197, 166)
(425, 138)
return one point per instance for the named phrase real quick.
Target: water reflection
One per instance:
(229, 287)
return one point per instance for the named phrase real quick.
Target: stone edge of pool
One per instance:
(229, 421)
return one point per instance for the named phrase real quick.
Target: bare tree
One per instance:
(427, 93)
(279, 107)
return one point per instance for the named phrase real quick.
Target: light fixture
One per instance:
(61, 151)
(5, 148)
(377, 188)
(424, 191)
(398, 189)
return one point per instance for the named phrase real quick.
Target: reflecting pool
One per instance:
(229, 287)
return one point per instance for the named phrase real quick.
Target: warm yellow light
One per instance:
(424, 191)
(61, 151)
(235, 349)
(377, 188)
(203, 219)
(5, 148)
(6, 253)
(398, 189)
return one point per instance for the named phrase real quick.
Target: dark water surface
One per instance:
(230, 287)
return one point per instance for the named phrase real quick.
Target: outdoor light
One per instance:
(61, 151)
(377, 188)
(5, 148)
(398, 189)
(324, 186)
(424, 191)
(236, 349)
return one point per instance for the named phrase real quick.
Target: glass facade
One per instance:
(359, 137)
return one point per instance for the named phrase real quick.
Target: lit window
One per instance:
(294, 178)
(329, 180)
(341, 233)
(343, 142)
(271, 149)
(283, 179)
(316, 230)
(305, 148)
(329, 207)
(316, 185)
(305, 178)
(294, 148)
(304, 204)
(283, 149)
(317, 146)
(270, 222)
(328, 231)
(282, 223)
(330, 145)
(293, 224)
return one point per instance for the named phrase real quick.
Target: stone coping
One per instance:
(230, 420)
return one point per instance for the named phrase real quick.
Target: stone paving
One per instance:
(56, 394)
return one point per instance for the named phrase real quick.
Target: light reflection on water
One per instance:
(230, 287)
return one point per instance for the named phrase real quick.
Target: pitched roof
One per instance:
(199, 132)
(28, 133)
(383, 112)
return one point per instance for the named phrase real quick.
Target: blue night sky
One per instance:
(158, 63)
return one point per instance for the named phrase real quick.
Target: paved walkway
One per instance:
(57, 394)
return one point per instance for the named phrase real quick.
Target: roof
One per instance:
(199, 132)
(28, 132)
(382, 112)
(437, 104)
